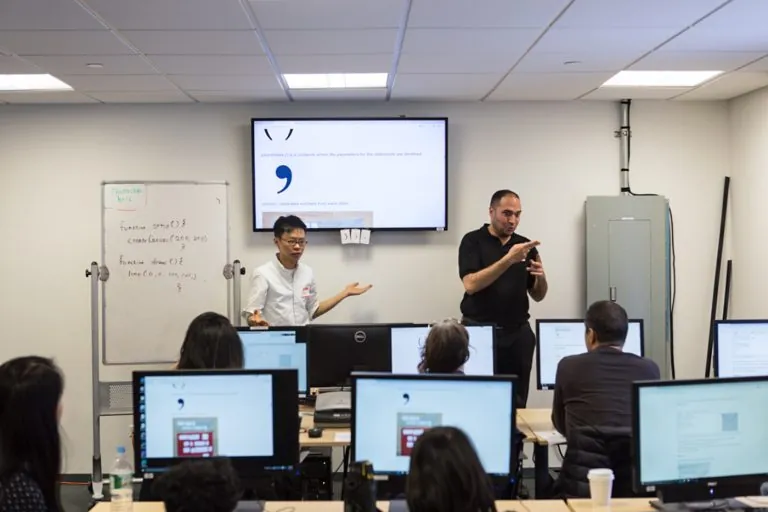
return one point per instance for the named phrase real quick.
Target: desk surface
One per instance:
(535, 420)
(622, 505)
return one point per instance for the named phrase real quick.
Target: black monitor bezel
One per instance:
(444, 119)
(550, 386)
(429, 325)
(285, 425)
(300, 330)
(439, 377)
(313, 381)
(637, 484)
(716, 341)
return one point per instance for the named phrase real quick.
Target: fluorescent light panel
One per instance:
(660, 78)
(336, 81)
(39, 82)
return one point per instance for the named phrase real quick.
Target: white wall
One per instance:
(52, 160)
(749, 207)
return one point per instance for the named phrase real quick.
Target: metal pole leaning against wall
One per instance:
(238, 271)
(96, 470)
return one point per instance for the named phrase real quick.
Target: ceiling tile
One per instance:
(548, 86)
(445, 63)
(237, 97)
(334, 42)
(443, 86)
(212, 65)
(727, 87)
(77, 64)
(227, 83)
(484, 13)
(15, 65)
(344, 94)
(636, 93)
(509, 41)
(195, 42)
(758, 66)
(142, 97)
(739, 26)
(676, 14)
(63, 42)
(378, 63)
(46, 97)
(695, 61)
(120, 83)
(172, 14)
(328, 14)
(597, 40)
(45, 15)
(614, 61)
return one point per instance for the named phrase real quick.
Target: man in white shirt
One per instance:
(283, 291)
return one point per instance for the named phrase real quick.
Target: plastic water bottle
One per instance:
(121, 483)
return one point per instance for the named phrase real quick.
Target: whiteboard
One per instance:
(165, 246)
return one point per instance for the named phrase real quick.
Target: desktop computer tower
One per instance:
(628, 261)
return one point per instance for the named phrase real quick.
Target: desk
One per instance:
(619, 505)
(538, 420)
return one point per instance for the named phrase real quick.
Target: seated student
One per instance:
(446, 475)
(595, 388)
(199, 485)
(211, 342)
(30, 448)
(446, 348)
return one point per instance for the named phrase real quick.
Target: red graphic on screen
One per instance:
(194, 444)
(408, 437)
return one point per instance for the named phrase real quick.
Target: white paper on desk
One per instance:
(354, 235)
(754, 501)
(343, 437)
(550, 436)
(345, 237)
(365, 236)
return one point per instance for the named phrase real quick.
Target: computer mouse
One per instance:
(315, 432)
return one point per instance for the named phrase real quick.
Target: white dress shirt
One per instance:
(284, 296)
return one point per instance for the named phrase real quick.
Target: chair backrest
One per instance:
(593, 448)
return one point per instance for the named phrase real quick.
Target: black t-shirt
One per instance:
(505, 301)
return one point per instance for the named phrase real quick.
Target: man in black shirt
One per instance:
(500, 269)
(594, 389)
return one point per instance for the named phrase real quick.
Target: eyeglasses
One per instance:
(293, 242)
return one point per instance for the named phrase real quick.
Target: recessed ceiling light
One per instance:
(660, 78)
(336, 80)
(40, 82)
(94, 65)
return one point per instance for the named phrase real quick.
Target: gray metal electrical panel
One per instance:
(628, 262)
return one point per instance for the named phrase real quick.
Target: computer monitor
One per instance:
(562, 338)
(249, 416)
(741, 348)
(700, 439)
(252, 335)
(277, 356)
(408, 342)
(335, 351)
(390, 412)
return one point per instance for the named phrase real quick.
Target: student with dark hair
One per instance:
(283, 291)
(30, 448)
(500, 270)
(211, 342)
(594, 389)
(446, 348)
(199, 485)
(446, 475)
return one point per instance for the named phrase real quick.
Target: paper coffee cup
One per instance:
(600, 486)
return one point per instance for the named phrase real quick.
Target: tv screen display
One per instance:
(373, 173)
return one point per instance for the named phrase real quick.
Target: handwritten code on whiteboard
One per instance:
(165, 245)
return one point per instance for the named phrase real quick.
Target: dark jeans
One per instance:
(514, 356)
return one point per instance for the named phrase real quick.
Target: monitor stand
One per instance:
(693, 497)
(727, 504)
(250, 506)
